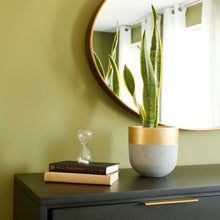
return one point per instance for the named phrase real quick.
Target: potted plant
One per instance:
(153, 149)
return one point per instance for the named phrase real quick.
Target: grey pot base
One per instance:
(153, 160)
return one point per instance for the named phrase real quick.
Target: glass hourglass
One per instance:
(84, 155)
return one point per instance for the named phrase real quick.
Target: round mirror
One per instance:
(191, 56)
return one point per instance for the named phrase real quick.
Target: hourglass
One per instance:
(84, 155)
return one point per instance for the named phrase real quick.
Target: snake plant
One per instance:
(111, 77)
(150, 67)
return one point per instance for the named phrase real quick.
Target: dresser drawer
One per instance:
(206, 208)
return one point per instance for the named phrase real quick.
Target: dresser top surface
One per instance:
(183, 180)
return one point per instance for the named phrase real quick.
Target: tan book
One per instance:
(83, 178)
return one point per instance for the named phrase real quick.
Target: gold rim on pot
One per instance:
(153, 136)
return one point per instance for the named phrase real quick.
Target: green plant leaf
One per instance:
(159, 63)
(115, 75)
(158, 71)
(149, 84)
(108, 78)
(153, 48)
(129, 80)
(130, 85)
(114, 45)
(156, 58)
(99, 64)
(113, 55)
(141, 111)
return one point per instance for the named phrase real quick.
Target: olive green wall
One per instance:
(194, 15)
(48, 92)
(136, 34)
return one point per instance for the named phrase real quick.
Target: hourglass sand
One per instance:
(84, 155)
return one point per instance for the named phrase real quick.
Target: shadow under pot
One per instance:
(153, 152)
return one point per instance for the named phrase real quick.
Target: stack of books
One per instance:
(98, 173)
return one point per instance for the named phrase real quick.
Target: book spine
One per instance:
(77, 169)
(61, 177)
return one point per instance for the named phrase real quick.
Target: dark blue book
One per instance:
(101, 168)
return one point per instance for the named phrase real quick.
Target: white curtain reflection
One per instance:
(188, 82)
(211, 28)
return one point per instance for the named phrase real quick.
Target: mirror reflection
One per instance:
(191, 55)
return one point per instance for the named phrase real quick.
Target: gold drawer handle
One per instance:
(171, 201)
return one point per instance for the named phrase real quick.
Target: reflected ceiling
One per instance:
(109, 15)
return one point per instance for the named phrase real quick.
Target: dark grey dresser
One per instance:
(188, 193)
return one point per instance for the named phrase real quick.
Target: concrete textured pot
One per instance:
(153, 152)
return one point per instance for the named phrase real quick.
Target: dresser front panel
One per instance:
(207, 208)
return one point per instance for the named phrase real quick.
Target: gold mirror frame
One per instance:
(98, 76)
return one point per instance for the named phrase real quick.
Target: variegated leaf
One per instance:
(99, 64)
(115, 75)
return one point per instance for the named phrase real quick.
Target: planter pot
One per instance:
(153, 151)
